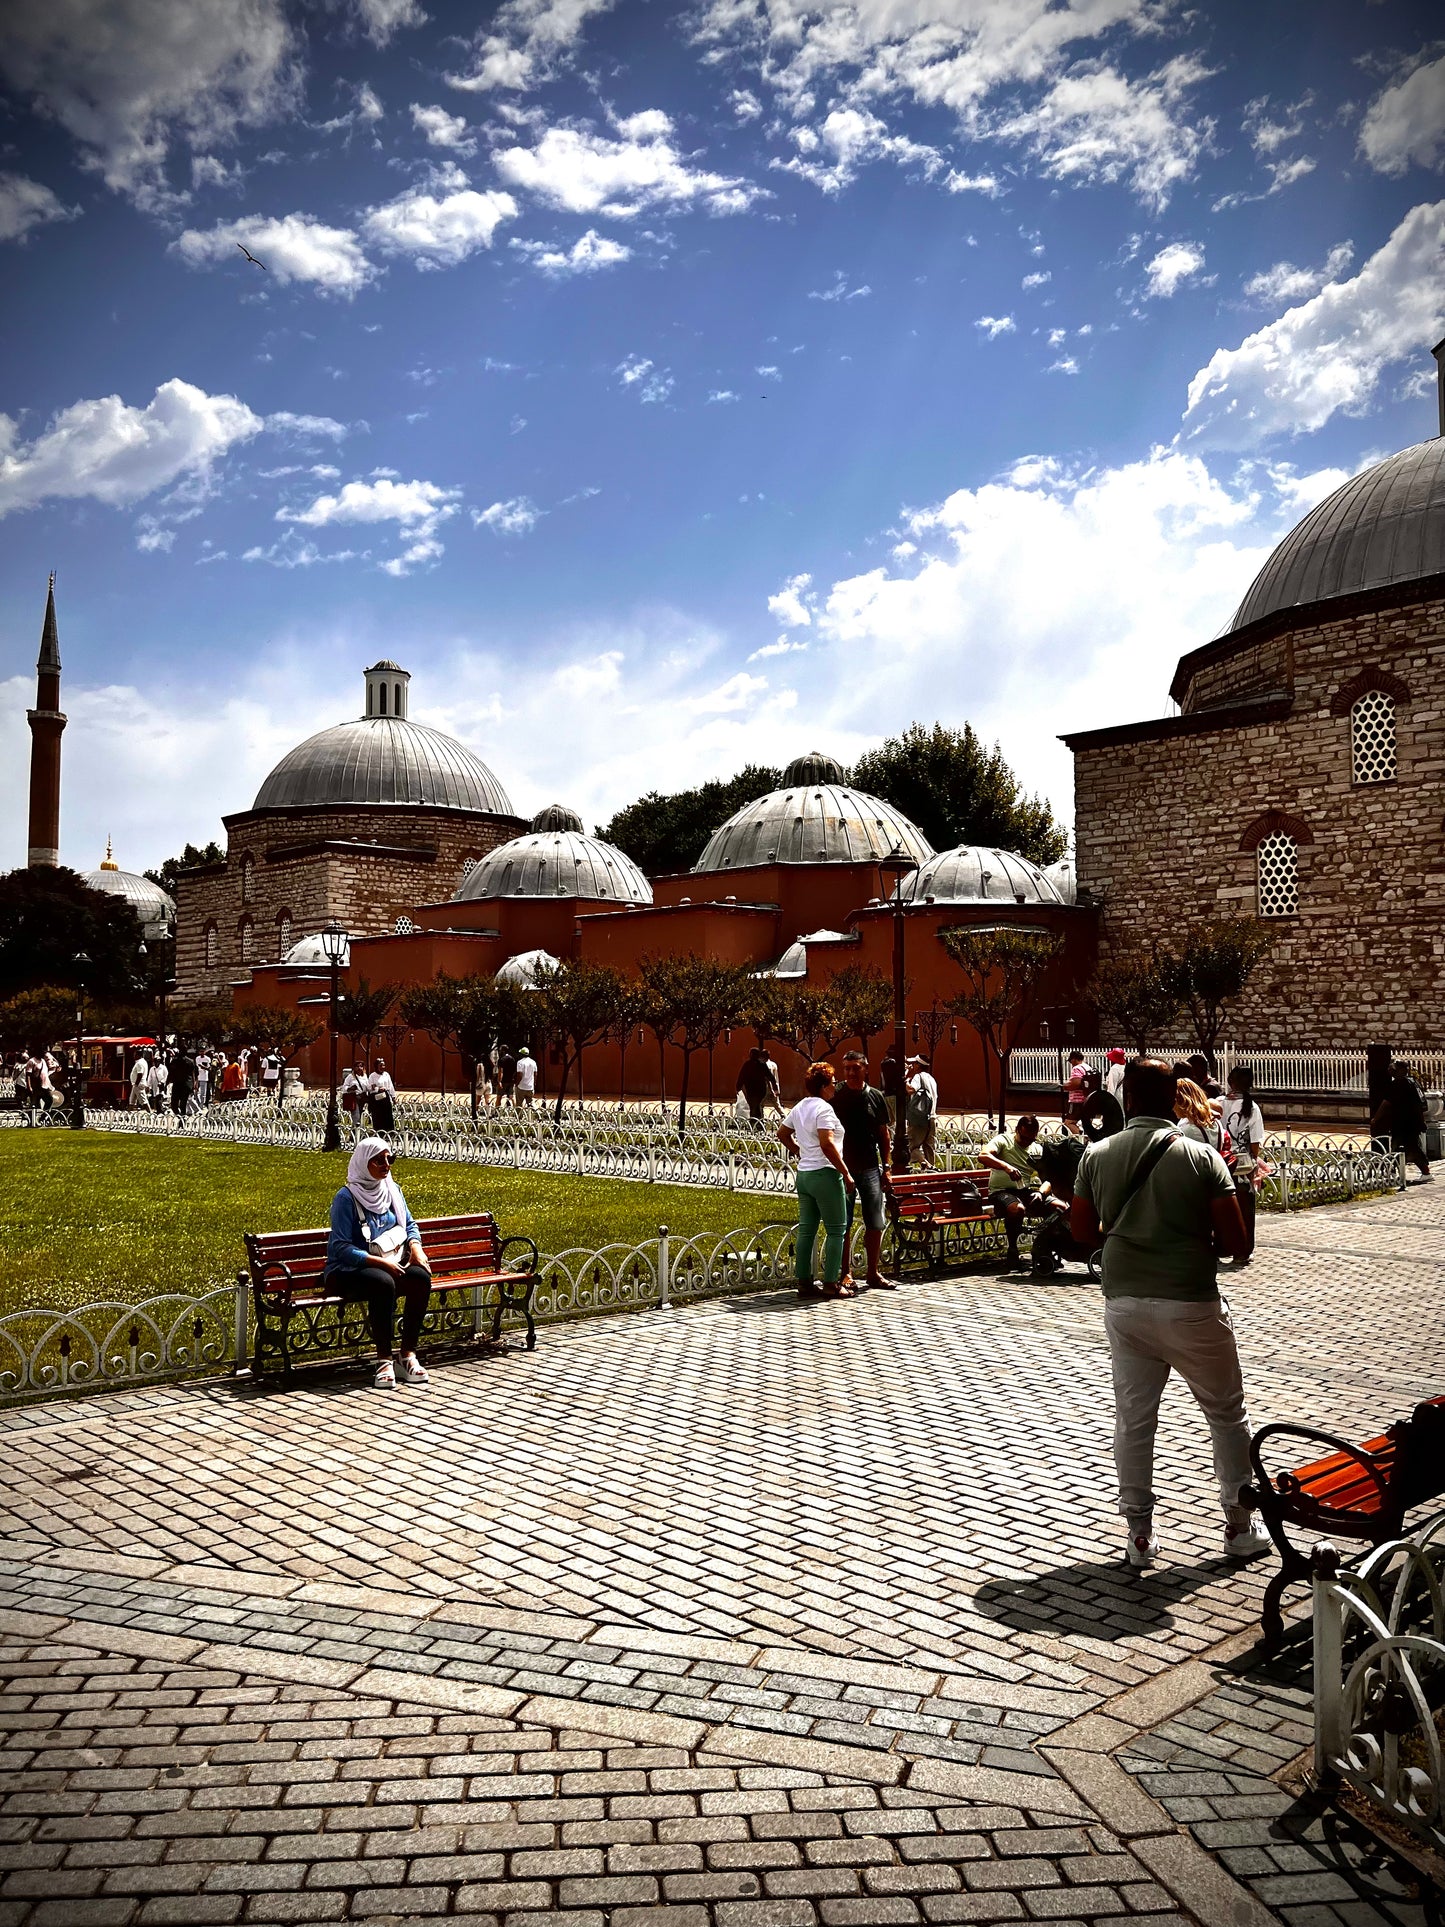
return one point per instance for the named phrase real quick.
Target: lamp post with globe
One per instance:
(898, 865)
(77, 1094)
(335, 947)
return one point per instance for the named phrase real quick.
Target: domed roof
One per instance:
(973, 874)
(382, 759)
(557, 816)
(1384, 526)
(522, 969)
(556, 863)
(311, 950)
(149, 901)
(814, 818)
(1064, 879)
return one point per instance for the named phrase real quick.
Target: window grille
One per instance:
(469, 863)
(405, 927)
(212, 946)
(248, 933)
(1372, 737)
(1278, 857)
(247, 866)
(283, 934)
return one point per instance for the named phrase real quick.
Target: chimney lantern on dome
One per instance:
(1438, 351)
(386, 687)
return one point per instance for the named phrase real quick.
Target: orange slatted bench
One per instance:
(929, 1209)
(477, 1277)
(1354, 1491)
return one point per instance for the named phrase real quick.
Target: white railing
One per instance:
(1379, 1674)
(1312, 1073)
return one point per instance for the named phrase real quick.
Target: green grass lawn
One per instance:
(91, 1216)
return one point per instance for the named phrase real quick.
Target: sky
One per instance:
(669, 387)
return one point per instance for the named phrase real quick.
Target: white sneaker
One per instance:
(411, 1371)
(1143, 1550)
(385, 1379)
(1242, 1538)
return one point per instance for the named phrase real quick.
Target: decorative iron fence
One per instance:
(1379, 1678)
(1313, 1073)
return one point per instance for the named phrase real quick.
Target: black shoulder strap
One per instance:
(1143, 1171)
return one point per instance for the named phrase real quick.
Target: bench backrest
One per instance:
(466, 1242)
(934, 1190)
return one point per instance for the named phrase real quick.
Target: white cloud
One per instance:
(1171, 267)
(380, 19)
(1285, 282)
(782, 647)
(588, 173)
(1095, 124)
(439, 231)
(294, 247)
(443, 129)
(745, 105)
(651, 383)
(1327, 355)
(126, 77)
(838, 289)
(1065, 365)
(517, 516)
(526, 43)
(1405, 125)
(1036, 280)
(308, 428)
(994, 325)
(408, 503)
(769, 373)
(848, 139)
(958, 183)
(791, 604)
(724, 395)
(368, 107)
(117, 454)
(585, 256)
(27, 204)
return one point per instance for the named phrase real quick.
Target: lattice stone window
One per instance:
(248, 939)
(212, 946)
(405, 927)
(469, 863)
(247, 878)
(1278, 857)
(1372, 737)
(283, 935)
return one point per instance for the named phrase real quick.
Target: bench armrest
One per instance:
(1284, 1487)
(521, 1270)
(262, 1274)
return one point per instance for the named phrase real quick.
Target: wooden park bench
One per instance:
(300, 1316)
(935, 1212)
(1357, 1491)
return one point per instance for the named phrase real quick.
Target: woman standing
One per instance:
(1245, 1125)
(813, 1133)
(373, 1252)
(1197, 1117)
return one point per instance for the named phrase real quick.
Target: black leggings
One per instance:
(379, 1289)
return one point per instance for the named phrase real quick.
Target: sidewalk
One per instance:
(746, 1615)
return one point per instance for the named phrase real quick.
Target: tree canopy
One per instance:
(667, 833)
(48, 917)
(958, 791)
(189, 857)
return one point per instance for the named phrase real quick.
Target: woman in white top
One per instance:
(813, 1133)
(1245, 1124)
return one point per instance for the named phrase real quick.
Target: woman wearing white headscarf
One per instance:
(374, 1252)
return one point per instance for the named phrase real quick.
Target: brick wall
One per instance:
(1159, 822)
(1260, 669)
(420, 858)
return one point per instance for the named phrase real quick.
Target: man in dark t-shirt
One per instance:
(507, 1073)
(757, 1084)
(867, 1142)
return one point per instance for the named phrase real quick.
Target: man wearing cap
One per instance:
(867, 1142)
(922, 1113)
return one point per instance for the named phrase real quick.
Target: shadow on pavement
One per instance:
(1102, 1598)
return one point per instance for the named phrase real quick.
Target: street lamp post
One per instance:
(335, 947)
(77, 1095)
(897, 865)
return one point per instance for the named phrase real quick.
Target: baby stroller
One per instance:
(1054, 1246)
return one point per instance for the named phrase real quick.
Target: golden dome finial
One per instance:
(110, 862)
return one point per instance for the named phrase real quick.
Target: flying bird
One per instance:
(251, 258)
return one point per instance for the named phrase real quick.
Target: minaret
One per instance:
(46, 725)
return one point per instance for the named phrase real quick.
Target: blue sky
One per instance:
(669, 386)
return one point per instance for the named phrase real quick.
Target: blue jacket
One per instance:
(346, 1247)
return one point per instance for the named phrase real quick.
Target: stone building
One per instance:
(360, 822)
(1303, 779)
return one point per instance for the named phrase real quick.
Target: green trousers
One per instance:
(821, 1199)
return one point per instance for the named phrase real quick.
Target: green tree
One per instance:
(576, 1005)
(362, 1013)
(803, 1018)
(861, 1005)
(958, 791)
(690, 1001)
(189, 858)
(1136, 995)
(287, 1033)
(36, 1019)
(667, 833)
(1211, 967)
(438, 1008)
(631, 1012)
(1004, 972)
(47, 917)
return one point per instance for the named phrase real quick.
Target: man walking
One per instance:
(140, 1072)
(1162, 1203)
(526, 1078)
(157, 1082)
(922, 1113)
(183, 1082)
(757, 1083)
(893, 1082)
(867, 1142)
(271, 1075)
(1407, 1117)
(381, 1097)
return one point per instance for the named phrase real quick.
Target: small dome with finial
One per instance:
(557, 816)
(815, 767)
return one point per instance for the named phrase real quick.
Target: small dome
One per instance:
(812, 821)
(383, 759)
(522, 969)
(1384, 526)
(557, 816)
(556, 863)
(311, 950)
(149, 901)
(815, 767)
(1061, 875)
(972, 874)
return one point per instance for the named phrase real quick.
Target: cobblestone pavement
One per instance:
(746, 1615)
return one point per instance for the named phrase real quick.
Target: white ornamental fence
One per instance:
(1379, 1678)
(1308, 1073)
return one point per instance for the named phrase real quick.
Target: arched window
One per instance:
(396, 701)
(213, 946)
(382, 687)
(248, 939)
(248, 867)
(283, 935)
(1278, 877)
(1372, 737)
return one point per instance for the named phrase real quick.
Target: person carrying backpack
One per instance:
(922, 1114)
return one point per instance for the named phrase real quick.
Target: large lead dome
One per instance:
(814, 818)
(1384, 526)
(556, 863)
(383, 757)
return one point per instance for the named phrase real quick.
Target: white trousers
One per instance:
(1149, 1338)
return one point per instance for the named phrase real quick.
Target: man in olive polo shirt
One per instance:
(1162, 1309)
